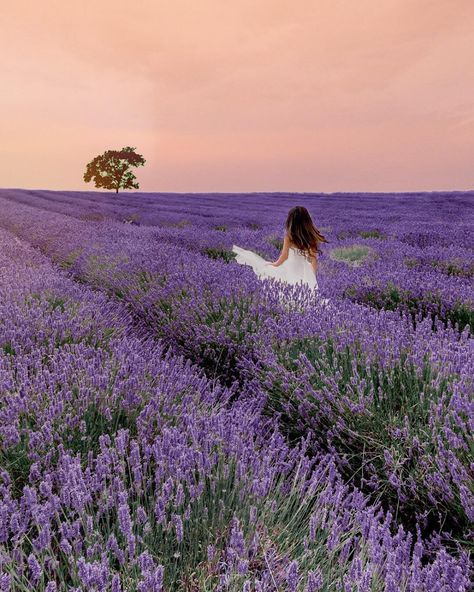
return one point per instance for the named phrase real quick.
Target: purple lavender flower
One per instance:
(116, 584)
(292, 576)
(315, 581)
(35, 569)
(178, 524)
(153, 582)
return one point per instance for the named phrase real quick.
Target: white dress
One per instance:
(297, 268)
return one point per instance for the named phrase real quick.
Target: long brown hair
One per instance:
(302, 232)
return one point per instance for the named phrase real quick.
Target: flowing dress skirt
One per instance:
(297, 268)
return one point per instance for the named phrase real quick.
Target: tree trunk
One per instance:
(116, 190)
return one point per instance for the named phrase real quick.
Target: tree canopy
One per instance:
(112, 169)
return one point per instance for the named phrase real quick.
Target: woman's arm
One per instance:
(284, 252)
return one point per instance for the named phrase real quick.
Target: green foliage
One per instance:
(146, 280)
(354, 255)
(112, 169)
(92, 217)
(56, 302)
(8, 349)
(219, 253)
(181, 224)
(372, 234)
(16, 460)
(68, 260)
(455, 268)
(411, 262)
(344, 234)
(133, 219)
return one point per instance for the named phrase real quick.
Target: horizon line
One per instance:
(352, 192)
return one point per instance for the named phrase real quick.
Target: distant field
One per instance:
(168, 422)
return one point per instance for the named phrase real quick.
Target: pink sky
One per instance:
(240, 95)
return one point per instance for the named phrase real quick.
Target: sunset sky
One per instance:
(240, 95)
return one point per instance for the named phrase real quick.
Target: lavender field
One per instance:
(170, 422)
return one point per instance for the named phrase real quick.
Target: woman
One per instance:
(298, 260)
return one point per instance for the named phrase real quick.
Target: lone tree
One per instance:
(111, 169)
